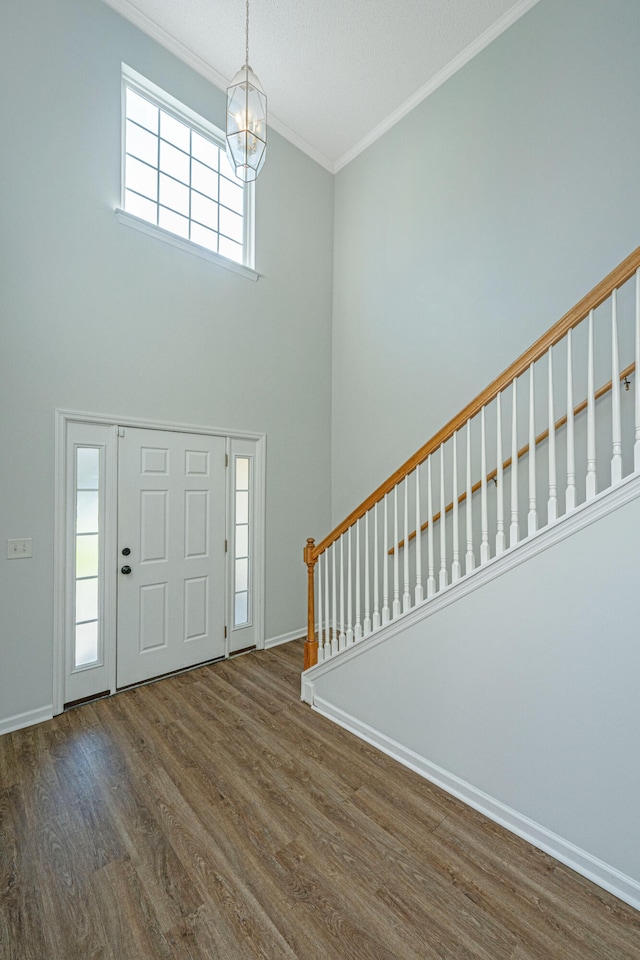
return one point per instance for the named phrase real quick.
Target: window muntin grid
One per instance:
(179, 179)
(87, 557)
(242, 542)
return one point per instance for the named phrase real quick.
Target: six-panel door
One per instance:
(171, 582)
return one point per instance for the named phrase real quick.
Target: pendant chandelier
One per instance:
(246, 120)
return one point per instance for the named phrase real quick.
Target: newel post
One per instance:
(311, 644)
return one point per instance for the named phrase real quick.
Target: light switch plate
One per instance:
(19, 549)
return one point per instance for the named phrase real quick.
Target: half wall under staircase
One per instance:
(491, 643)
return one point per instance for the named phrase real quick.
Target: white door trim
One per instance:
(62, 419)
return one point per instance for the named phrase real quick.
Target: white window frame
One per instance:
(135, 81)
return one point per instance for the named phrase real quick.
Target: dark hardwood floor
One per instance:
(212, 815)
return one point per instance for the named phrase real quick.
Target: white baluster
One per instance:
(335, 640)
(320, 636)
(367, 587)
(327, 623)
(431, 579)
(385, 569)
(443, 576)
(469, 560)
(419, 591)
(376, 572)
(636, 445)
(616, 421)
(591, 419)
(396, 558)
(406, 596)
(357, 630)
(532, 516)
(571, 445)
(500, 536)
(484, 515)
(456, 570)
(552, 505)
(349, 636)
(514, 526)
(342, 637)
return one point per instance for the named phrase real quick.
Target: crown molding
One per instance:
(152, 29)
(441, 77)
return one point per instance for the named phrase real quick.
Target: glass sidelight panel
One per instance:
(242, 559)
(87, 556)
(241, 613)
(86, 643)
(85, 599)
(88, 468)
(87, 511)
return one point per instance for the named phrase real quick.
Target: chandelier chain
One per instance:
(246, 59)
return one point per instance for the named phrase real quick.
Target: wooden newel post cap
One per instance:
(308, 550)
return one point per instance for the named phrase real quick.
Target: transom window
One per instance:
(176, 175)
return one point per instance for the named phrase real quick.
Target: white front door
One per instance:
(171, 552)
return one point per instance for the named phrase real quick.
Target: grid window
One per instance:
(176, 175)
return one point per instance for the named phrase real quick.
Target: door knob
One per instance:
(125, 569)
(126, 551)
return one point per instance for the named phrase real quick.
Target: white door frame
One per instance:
(62, 419)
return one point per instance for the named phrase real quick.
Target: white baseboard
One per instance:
(28, 719)
(600, 873)
(285, 638)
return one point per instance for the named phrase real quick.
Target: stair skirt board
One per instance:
(582, 516)
(600, 873)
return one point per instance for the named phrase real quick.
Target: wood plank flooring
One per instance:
(212, 816)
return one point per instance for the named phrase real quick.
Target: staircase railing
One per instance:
(357, 566)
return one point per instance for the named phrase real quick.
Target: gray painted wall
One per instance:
(475, 223)
(97, 317)
(526, 689)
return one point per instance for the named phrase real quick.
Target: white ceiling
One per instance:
(337, 73)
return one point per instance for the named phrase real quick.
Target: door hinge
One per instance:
(226, 459)
(226, 546)
(225, 633)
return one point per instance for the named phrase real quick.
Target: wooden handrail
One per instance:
(623, 272)
(521, 453)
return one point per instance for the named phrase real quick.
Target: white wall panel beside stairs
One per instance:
(522, 696)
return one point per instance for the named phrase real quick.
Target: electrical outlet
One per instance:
(19, 549)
